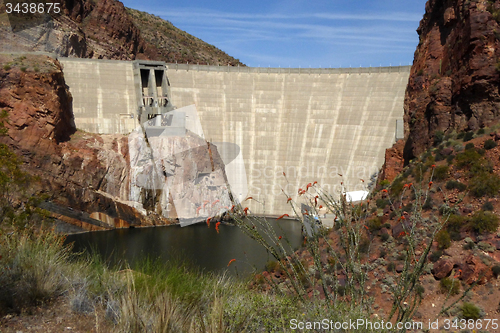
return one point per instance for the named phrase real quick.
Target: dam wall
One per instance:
(326, 125)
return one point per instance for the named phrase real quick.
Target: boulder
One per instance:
(442, 268)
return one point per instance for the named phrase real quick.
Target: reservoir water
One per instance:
(201, 246)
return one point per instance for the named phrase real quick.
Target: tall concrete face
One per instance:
(104, 94)
(313, 125)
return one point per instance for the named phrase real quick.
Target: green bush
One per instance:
(489, 144)
(441, 172)
(467, 158)
(384, 183)
(484, 222)
(496, 270)
(468, 136)
(382, 203)
(449, 286)
(454, 184)
(23, 69)
(438, 137)
(450, 159)
(391, 267)
(428, 204)
(6, 67)
(434, 256)
(470, 145)
(488, 206)
(470, 311)
(374, 224)
(484, 184)
(443, 239)
(438, 157)
(455, 223)
(480, 131)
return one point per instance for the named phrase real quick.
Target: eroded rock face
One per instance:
(454, 79)
(394, 161)
(87, 29)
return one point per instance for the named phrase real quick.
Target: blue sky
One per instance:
(298, 33)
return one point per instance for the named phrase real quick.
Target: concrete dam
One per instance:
(276, 129)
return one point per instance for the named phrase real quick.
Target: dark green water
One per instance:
(203, 247)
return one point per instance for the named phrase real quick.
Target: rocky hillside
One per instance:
(453, 84)
(175, 45)
(105, 29)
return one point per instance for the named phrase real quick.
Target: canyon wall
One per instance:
(454, 80)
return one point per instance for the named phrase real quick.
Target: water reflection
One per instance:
(201, 246)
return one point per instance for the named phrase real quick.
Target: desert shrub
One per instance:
(470, 311)
(454, 184)
(420, 72)
(469, 246)
(443, 239)
(461, 135)
(374, 224)
(449, 286)
(470, 145)
(364, 245)
(397, 186)
(488, 206)
(489, 144)
(391, 267)
(444, 209)
(480, 131)
(438, 157)
(428, 204)
(425, 156)
(384, 183)
(496, 270)
(434, 256)
(6, 67)
(384, 237)
(484, 222)
(441, 172)
(467, 158)
(450, 159)
(382, 203)
(454, 225)
(408, 208)
(23, 69)
(468, 136)
(438, 137)
(484, 184)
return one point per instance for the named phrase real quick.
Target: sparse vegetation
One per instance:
(441, 172)
(470, 311)
(489, 144)
(484, 222)
(454, 184)
(449, 286)
(443, 239)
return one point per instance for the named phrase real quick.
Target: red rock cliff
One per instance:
(455, 78)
